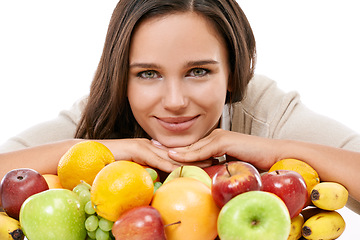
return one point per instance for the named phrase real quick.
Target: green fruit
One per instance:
(91, 223)
(154, 175)
(157, 185)
(53, 214)
(81, 187)
(105, 224)
(255, 215)
(191, 172)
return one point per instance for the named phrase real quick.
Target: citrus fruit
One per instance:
(120, 186)
(189, 201)
(53, 181)
(82, 162)
(309, 174)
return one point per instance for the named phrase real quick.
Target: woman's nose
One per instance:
(175, 97)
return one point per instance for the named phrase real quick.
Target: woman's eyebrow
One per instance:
(201, 62)
(144, 65)
(188, 64)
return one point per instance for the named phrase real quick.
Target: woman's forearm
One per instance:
(332, 164)
(43, 159)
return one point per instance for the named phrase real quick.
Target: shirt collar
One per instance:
(225, 120)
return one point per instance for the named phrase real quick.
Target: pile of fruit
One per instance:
(95, 197)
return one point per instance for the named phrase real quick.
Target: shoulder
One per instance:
(74, 113)
(264, 101)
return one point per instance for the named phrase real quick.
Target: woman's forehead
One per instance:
(181, 34)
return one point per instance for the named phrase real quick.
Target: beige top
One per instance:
(266, 111)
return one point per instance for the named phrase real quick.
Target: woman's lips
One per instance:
(177, 124)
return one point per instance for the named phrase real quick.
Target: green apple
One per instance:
(254, 215)
(53, 214)
(191, 172)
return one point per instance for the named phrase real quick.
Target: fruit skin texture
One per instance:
(296, 227)
(139, 223)
(309, 174)
(192, 172)
(120, 186)
(329, 195)
(17, 185)
(254, 215)
(212, 170)
(289, 186)
(53, 214)
(324, 225)
(82, 162)
(53, 181)
(187, 200)
(232, 179)
(10, 228)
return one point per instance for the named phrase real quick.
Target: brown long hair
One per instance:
(108, 113)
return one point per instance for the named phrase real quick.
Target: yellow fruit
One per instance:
(296, 227)
(324, 225)
(329, 195)
(120, 186)
(309, 174)
(189, 201)
(53, 181)
(82, 162)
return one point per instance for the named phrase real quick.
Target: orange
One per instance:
(120, 186)
(82, 162)
(309, 174)
(187, 200)
(53, 181)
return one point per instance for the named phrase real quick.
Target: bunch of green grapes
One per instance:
(97, 227)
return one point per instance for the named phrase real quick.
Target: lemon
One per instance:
(120, 186)
(82, 162)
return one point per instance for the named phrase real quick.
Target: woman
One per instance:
(175, 86)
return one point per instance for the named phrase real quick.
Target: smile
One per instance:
(177, 124)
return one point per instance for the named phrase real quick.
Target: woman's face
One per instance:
(178, 78)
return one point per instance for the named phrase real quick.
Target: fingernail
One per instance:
(156, 143)
(172, 152)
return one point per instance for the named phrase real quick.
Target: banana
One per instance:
(324, 225)
(296, 226)
(329, 195)
(10, 228)
(310, 211)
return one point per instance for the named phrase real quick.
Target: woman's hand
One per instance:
(260, 152)
(141, 151)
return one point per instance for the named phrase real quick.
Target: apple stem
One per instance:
(227, 168)
(170, 224)
(181, 169)
(254, 222)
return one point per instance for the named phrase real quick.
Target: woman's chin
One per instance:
(176, 142)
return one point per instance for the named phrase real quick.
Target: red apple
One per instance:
(289, 186)
(232, 179)
(212, 170)
(143, 222)
(17, 185)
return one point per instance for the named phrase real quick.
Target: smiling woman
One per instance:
(181, 68)
(171, 85)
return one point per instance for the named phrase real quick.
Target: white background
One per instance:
(49, 51)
